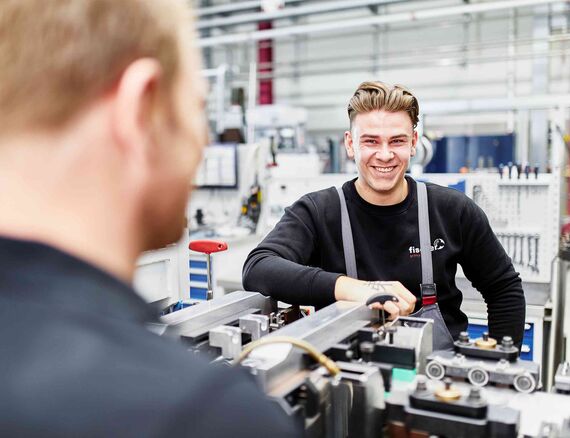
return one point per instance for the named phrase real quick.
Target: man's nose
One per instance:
(384, 153)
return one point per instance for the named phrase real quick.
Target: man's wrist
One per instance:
(342, 288)
(350, 289)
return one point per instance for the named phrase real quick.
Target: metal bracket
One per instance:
(227, 338)
(254, 325)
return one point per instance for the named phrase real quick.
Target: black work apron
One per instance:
(442, 339)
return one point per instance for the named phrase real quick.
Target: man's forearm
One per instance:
(507, 316)
(288, 281)
(350, 289)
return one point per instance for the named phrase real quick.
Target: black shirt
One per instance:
(301, 258)
(76, 360)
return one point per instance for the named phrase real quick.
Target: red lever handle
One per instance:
(208, 246)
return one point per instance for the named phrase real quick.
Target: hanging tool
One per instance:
(208, 247)
(514, 255)
(516, 248)
(536, 240)
(527, 174)
(477, 192)
(529, 262)
(521, 258)
(515, 171)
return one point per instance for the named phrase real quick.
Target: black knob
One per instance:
(381, 298)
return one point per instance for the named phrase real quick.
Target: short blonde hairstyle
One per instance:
(375, 96)
(57, 56)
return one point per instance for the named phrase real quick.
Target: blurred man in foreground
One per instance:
(101, 130)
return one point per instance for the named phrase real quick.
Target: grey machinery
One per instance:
(351, 400)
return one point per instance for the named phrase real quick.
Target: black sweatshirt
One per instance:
(77, 360)
(301, 258)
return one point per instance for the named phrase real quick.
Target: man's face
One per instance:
(180, 144)
(381, 144)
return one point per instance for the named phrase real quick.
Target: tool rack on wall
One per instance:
(523, 213)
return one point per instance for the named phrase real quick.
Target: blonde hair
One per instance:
(57, 56)
(375, 96)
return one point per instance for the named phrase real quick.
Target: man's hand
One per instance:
(350, 289)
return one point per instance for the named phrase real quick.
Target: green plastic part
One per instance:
(403, 375)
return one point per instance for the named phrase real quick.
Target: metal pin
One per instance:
(529, 262)
(514, 257)
(536, 239)
(520, 238)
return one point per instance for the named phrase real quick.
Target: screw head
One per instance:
(464, 337)
(475, 394)
(421, 384)
(366, 347)
(507, 342)
(503, 363)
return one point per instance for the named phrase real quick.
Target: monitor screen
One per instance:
(219, 167)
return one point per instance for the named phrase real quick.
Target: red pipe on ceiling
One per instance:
(265, 58)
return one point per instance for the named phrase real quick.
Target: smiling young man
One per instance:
(351, 243)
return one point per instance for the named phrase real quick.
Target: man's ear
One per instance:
(348, 144)
(132, 107)
(414, 143)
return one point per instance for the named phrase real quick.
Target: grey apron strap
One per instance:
(427, 286)
(442, 339)
(347, 241)
(423, 225)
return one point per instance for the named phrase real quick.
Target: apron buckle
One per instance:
(429, 294)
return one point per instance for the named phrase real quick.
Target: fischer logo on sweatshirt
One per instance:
(437, 245)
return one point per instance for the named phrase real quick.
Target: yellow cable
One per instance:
(319, 357)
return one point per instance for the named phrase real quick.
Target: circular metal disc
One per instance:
(448, 395)
(488, 344)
